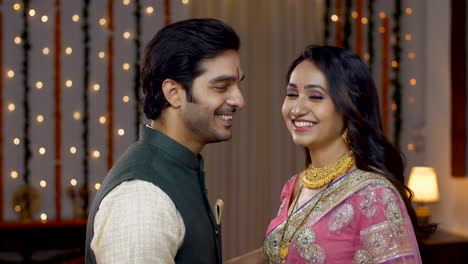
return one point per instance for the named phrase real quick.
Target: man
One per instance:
(152, 206)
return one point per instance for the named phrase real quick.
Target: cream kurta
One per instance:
(152, 234)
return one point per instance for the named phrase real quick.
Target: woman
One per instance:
(350, 204)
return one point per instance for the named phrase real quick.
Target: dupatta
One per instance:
(359, 218)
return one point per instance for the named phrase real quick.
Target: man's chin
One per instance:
(221, 137)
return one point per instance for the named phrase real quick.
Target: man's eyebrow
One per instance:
(224, 78)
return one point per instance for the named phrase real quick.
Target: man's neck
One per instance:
(175, 132)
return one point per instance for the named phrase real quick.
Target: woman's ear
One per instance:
(173, 93)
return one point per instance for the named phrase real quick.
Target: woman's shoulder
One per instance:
(289, 186)
(360, 179)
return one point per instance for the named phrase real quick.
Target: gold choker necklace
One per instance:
(316, 178)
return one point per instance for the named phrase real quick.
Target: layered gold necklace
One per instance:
(284, 243)
(316, 178)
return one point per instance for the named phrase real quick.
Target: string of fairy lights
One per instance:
(331, 17)
(34, 16)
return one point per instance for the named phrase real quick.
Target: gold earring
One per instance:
(345, 136)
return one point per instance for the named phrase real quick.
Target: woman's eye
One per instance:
(316, 97)
(291, 94)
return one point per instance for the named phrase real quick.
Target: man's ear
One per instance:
(173, 92)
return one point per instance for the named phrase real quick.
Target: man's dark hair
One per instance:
(176, 52)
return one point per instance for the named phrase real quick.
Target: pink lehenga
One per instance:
(359, 218)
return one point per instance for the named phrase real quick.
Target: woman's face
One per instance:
(308, 109)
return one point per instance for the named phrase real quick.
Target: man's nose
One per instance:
(236, 99)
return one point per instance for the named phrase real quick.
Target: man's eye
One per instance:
(291, 95)
(221, 88)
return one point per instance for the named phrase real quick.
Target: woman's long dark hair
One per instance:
(354, 94)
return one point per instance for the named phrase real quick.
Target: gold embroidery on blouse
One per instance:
(306, 247)
(362, 257)
(387, 196)
(384, 243)
(332, 196)
(368, 205)
(341, 217)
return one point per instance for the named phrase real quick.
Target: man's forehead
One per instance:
(233, 72)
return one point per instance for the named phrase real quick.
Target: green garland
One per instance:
(25, 71)
(370, 33)
(347, 25)
(397, 93)
(85, 120)
(136, 78)
(326, 21)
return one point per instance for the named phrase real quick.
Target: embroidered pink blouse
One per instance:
(360, 219)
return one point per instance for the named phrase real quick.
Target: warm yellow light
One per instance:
(96, 154)
(410, 147)
(43, 217)
(367, 56)
(408, 11)
(96, 87)
(149, 10)
(125, 99)
(185, 2)
(97, 186)
(17, 40)
(334, 18)
(40, 118)
(16, 141)
(11, 107)
(102, 120)
(423, 182)
(76, 115)
(125, 66)
(73, 182)
(102, 21)
(121, 132)
(32, 12)
(44, 19)
(69, 83)
(412, 81)
(411, 55)
(17, 208)
(364, 20)
(10, 74)
(354, 14)
(39, 85)
(14, 174)
(408, 37)
(68, 50)
(126, 2)
(394, 64)
(42, 150)
(45, 51)
(73, 150)
(43, 183)
(382, 15)
(126, 35)
(16, 7)
(101, 55)
(394, 107)
(75, 18)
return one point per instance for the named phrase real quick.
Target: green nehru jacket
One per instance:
(178, 172)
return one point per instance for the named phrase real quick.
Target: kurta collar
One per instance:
(171, 147)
